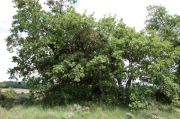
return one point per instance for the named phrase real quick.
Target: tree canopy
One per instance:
(71, 56)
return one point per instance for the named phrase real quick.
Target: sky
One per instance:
(133, 13)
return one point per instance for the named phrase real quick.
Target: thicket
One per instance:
(66, 56)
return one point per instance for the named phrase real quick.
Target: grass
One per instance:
(79, 112)
(17, 90)
(38, 112)
(83, 111)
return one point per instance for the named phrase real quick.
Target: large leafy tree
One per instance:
(149, 63)
(60, 49)
(167, 26)
(70, 56)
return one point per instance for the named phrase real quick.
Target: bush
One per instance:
(7, 98)
(142, 97)
(10, 98)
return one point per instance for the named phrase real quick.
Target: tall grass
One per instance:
(83, 112)
(17, 109)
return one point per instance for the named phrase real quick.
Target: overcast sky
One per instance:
(133, 13)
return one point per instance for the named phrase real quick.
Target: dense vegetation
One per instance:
(14, 84)
(66, 56)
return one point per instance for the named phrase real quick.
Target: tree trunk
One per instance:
(101, 87)
(128, 83)
(119, 80)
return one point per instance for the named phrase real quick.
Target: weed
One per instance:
(130, 116)
(68, 115)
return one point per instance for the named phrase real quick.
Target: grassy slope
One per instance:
(38, 112)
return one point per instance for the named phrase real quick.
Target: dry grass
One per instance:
(17, 90)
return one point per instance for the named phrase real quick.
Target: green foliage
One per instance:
(2, 85)
(142, 97)
(7, 98)
(15, 84)
(66, 56)
(167, 27)
(10, 93)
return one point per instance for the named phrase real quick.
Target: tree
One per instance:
(148, 61)
(68, 56)
(14, 84)
(54, 47)
(167, 27)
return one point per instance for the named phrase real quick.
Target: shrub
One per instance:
(141, 97)
(7, 98)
